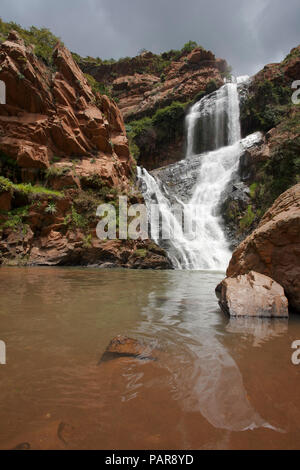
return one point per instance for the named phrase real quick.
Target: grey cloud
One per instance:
(247, 33)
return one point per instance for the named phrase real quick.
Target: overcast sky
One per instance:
(247, 33)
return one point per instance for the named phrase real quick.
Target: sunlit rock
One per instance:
(252, 295)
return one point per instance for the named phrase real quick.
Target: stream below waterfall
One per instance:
(217, 383)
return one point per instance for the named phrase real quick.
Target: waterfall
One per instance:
(214, 122)
(214, 147)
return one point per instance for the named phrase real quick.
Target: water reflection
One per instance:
(260, 329)
(207, 377)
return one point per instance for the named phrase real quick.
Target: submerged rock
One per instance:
(23, 446)
(252, 295)
(122, 346)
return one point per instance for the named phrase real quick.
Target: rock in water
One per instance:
(122, 346)
(252, 295)
(23, 446)
(273, 248)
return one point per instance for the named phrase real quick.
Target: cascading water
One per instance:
(214, 122)
(213, 148)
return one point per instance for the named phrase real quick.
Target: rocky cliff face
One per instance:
(142, 84)
(271, 167)
(63, 151)
(273, 249)
(53, 113)
(149, 84)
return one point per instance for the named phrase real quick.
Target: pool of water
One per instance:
(217, 383)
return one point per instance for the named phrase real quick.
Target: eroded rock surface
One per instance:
(52, 112)
(141, 93)
(252, 295)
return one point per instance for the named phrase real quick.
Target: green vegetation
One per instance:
(141, 253)
(53, 171)
(266, 107)
(248, 218)
(15, 219)
(32, 191)
(75, 220)
(27, 189)
(166, 125)
(270, 106)
(42, 39)
(97, 87)
(5, 185)
(167, 121)
(87, 241)
(253, 189)
(278, 173)
(189, 46)
(95, 183)
(211, 87)
(157, 65)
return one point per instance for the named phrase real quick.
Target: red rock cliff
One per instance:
(63, 151)
(53, 112)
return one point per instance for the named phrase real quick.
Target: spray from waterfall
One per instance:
(213, 139)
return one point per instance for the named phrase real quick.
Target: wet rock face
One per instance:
(252, 295)
(52, 111)
(235, 200)
(273, 249)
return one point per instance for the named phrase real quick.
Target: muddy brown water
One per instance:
(217, 384)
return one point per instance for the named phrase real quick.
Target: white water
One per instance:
(217, 119)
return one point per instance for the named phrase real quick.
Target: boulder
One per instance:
(273, 249)
(252, 295)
